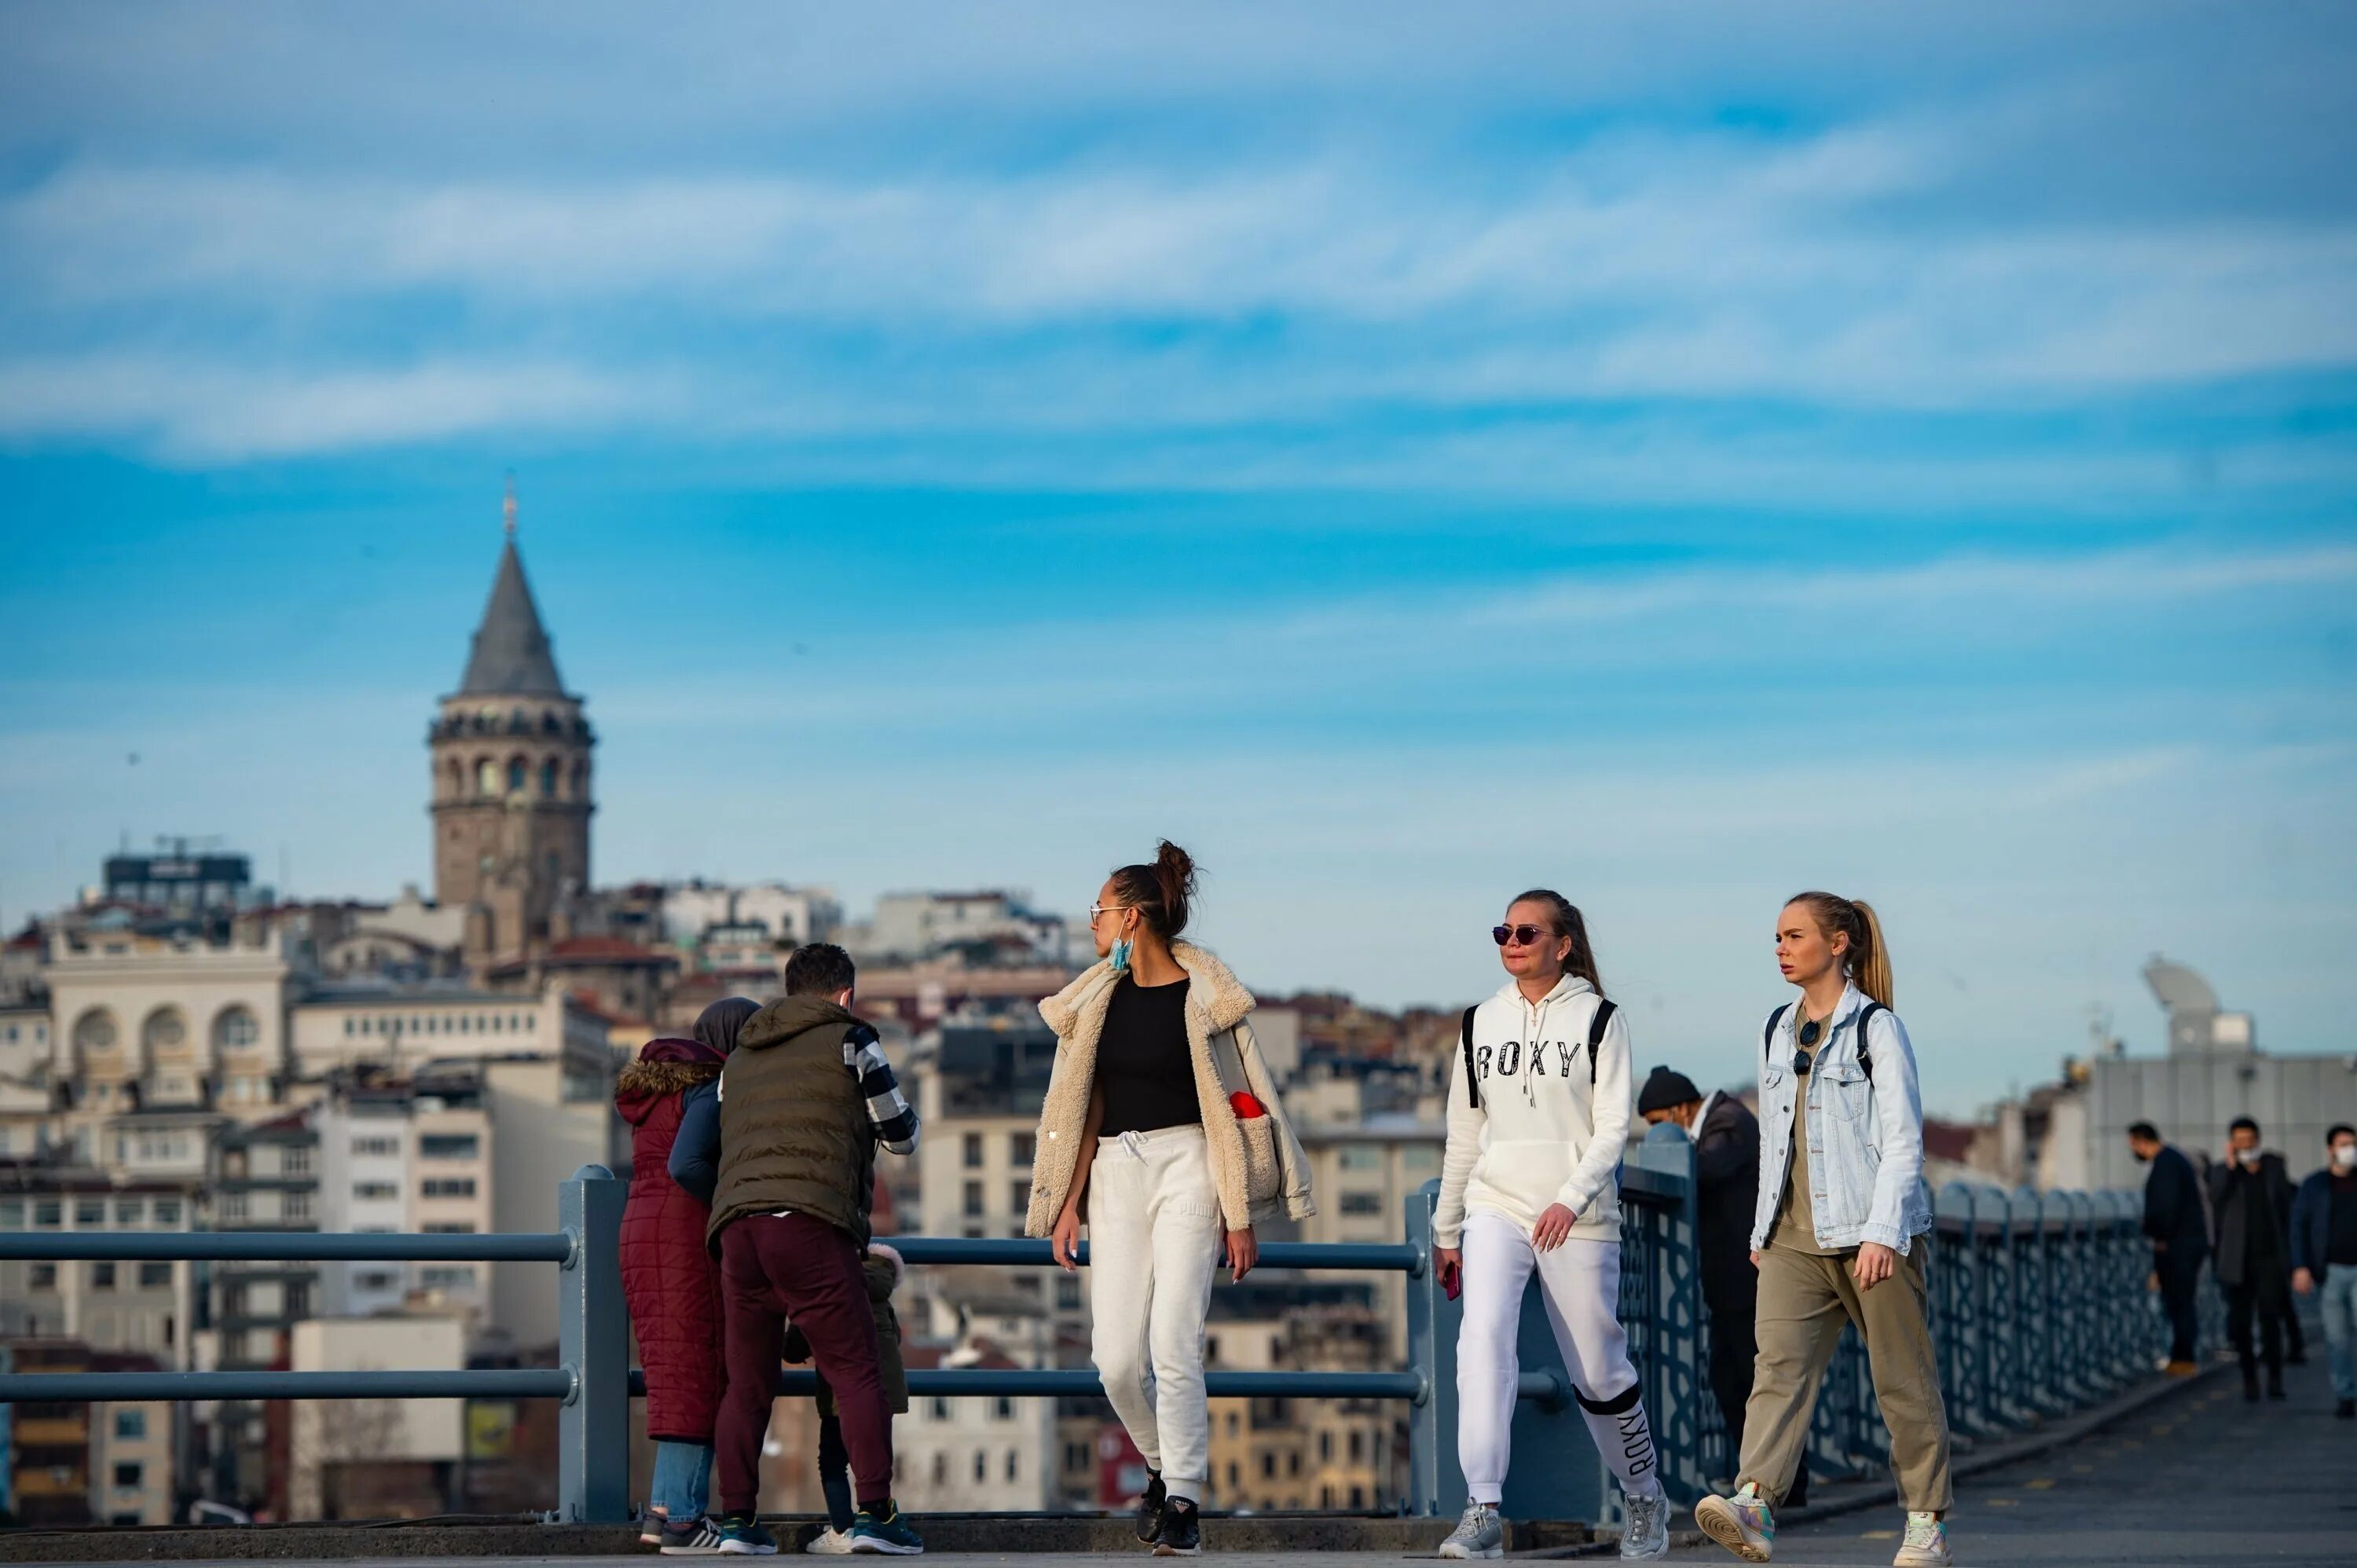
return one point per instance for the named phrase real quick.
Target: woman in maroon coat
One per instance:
(669, 1280)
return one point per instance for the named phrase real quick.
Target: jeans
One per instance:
(2338, 1296)
(834, 1473)
(682, 1478)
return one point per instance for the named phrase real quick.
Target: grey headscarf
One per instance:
(718, 1024)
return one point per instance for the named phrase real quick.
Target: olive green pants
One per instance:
(1804, 1302)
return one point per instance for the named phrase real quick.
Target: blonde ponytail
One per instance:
(1865, 958)
(1870, 967)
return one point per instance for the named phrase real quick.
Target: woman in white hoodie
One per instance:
(1538, 1112)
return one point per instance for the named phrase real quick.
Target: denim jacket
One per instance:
(1865, 1133)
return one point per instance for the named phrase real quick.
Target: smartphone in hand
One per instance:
(1452, 1280)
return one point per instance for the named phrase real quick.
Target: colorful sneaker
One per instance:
(697, 1538)
(741, 1535)
(829, 1543)
(1149, 1509)
(889, 1535)
(1743, 1524)
(1926, 1545)
(1480, 1533)
(1647, 1532)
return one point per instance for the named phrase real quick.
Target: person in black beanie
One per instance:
(1726, 1171)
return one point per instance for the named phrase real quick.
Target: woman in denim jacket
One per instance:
(1841, 1232)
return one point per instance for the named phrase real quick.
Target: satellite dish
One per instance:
(2179, 989)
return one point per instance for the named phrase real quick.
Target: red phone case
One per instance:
(1246, 1108)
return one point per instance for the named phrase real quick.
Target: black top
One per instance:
(1144, 1065)
(1726, 1169)
(2172, 1205)
(2341, 1232)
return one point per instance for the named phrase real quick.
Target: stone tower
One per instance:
(510, 754)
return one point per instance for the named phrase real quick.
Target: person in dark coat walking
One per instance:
(2251, 1195)
(1726, 1177)
(2177, 1223)
(669, 1279)
(2324, 1258)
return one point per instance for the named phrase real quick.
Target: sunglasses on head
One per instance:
(1521, 936)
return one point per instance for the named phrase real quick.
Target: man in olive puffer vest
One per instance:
(782, 1147)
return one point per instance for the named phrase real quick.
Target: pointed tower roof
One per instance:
(511, 656)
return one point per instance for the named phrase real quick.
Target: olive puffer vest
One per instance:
(794, 1131)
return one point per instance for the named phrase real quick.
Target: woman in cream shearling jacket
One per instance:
(1256, 1179)
(1161, 1129)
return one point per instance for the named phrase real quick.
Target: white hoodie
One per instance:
(1542, 1136)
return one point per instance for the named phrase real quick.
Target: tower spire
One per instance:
(507, 508)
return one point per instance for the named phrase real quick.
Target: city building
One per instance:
(413, 1156)
(784, 916)
(48, 1451)
(175, 1031)
(986, 928)
(510, 786)
(132, 1462)
(105, 1305)
(1273, 1454)
(377, 1458)
(977, 1454)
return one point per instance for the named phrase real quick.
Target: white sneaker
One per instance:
(1477, 1534)
(830, 1542)
(1647, 1532)
(1926, 1545)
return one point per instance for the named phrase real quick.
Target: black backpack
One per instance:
(1865, 1016)
(1604, 1011)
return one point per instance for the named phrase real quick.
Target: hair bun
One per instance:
(1175, 863)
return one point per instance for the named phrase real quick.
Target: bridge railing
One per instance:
(2038, 1303)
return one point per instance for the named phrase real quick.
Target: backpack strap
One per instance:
(1768, 1035)
(1865, 1016)
(1604, 1011)
(1465, 1040)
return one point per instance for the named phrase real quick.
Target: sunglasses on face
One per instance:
(1520, 936)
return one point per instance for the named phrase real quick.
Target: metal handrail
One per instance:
(2038, 1305)
(280, 1247)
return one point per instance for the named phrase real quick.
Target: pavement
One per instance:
(2196, 1477)
(2190, 1476)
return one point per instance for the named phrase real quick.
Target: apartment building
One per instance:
(406, 1155)
(265, 1177)
(107, 1306)
(131, 1450)
(1276, 1453)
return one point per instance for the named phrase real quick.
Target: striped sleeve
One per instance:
(894, 1119)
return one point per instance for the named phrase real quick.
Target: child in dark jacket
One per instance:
(883, 1271)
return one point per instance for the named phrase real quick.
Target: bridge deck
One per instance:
(2196, 1477)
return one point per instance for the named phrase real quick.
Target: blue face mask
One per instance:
(1119, 958)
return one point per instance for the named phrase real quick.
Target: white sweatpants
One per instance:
(1579, 1282)
(1154, 1233)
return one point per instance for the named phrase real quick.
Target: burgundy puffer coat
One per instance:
(670, 1281)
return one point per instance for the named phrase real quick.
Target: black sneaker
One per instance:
(1150, 1507)
(1182, 1531)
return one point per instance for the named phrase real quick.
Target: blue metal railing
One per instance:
(2039, 1306)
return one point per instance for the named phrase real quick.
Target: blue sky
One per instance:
(1679, 455)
